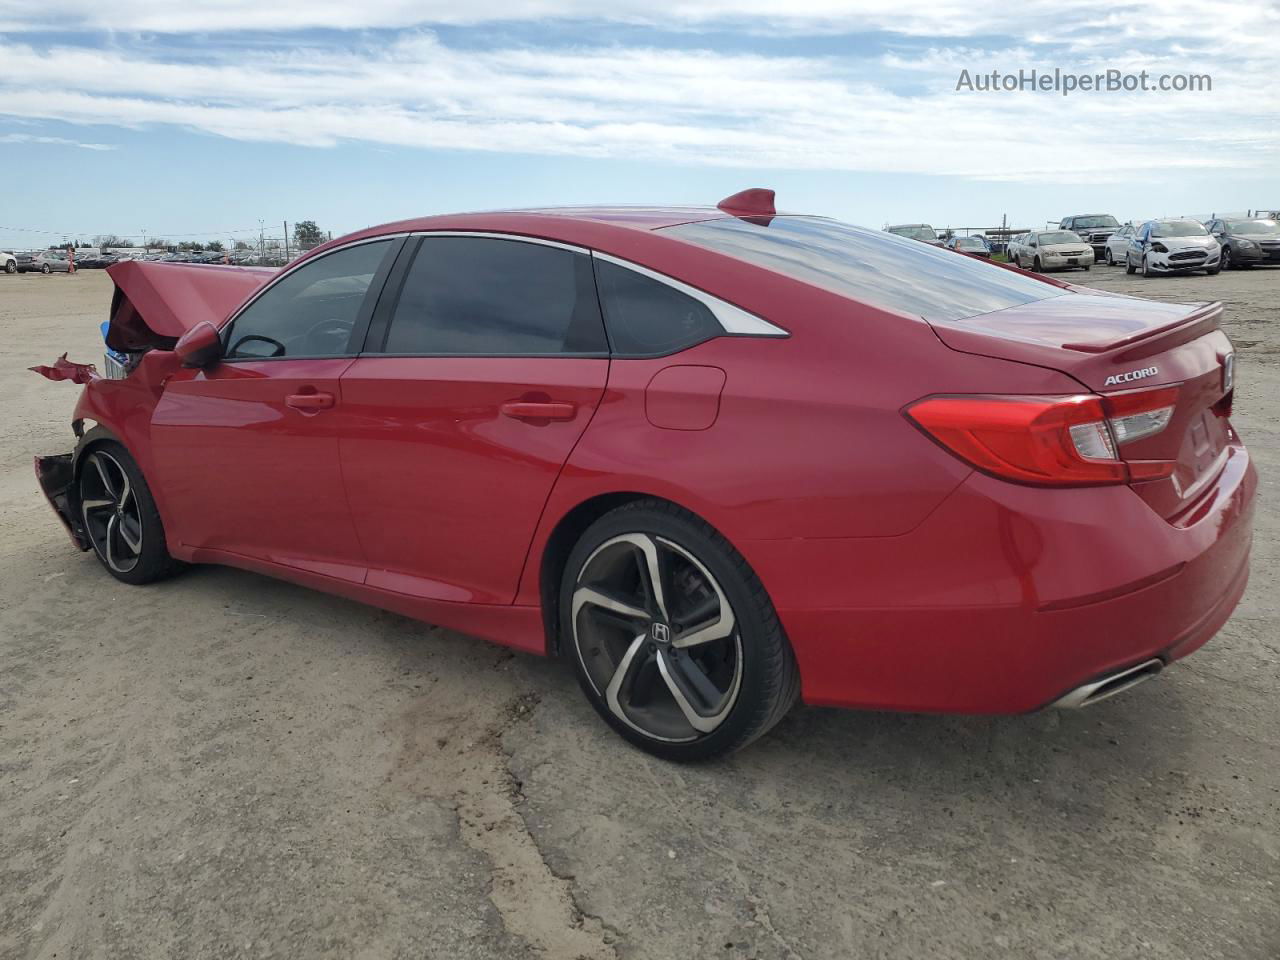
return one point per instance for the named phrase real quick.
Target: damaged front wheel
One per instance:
(119, 516)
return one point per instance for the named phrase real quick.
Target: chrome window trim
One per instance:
(490, 235)
(733, 320)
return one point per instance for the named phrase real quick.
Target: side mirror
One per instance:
(200, 346)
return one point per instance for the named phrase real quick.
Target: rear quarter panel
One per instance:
(810, 441)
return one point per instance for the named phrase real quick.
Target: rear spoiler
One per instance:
(156, 303)
(1183, 330)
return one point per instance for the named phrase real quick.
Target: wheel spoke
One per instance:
(98, 504)
(132, 540)
(620, 674)
(102, 474)
(596, 597)
(651, 570)
(683, 678)
(110, 541)
(717, 628)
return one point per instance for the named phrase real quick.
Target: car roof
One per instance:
(615, 229)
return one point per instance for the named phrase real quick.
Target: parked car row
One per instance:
(1154, 247)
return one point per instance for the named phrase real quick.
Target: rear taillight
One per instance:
(1065, 441)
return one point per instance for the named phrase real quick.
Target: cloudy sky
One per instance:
(204, 118)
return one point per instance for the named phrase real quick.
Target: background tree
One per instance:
(306, 234)
(214, 245)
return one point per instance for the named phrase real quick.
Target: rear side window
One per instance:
(646, 317)
(311, 311)
(479, 296)
(871, 266)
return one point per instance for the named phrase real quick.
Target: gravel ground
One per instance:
(229, 766)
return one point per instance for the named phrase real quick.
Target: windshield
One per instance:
(970, 243)
(1266, 228)
(1102, 221)
(915, 233)
(869, 266)
(1178, 228)
(1058, 236)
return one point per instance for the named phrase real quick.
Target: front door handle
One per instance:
(309, 402)
(538, 410)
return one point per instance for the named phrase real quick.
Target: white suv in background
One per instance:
(1172, 246)
(8, 262)
(1117, 245)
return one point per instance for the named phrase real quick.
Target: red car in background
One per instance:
(718, 459)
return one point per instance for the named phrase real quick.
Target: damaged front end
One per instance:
(56, 475)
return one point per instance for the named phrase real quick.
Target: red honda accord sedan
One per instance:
(717, 458)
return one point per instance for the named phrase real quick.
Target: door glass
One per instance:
(481, 296)
(310, 312)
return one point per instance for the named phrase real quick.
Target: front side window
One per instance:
(311, 311)
(482, 296)
(870, 266)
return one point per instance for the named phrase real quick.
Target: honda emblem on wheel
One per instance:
(660, 632)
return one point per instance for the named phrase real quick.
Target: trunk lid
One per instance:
(156, 303)
(1118, 346)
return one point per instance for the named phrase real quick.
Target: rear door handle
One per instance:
(538, 410)
(309, 402)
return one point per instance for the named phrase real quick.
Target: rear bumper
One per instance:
(1009, 598)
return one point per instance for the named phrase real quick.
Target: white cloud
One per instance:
(56, 141)
(893, 111)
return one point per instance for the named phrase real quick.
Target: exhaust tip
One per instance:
(1090, 693)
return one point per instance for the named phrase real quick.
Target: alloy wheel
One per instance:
(1226, 259)
(657, 637)
(109, 508)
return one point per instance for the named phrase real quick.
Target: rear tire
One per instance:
(120, 516)
(1111, 261)
(693, 670)
(10, 267)
(1035, 265)
(45, 268)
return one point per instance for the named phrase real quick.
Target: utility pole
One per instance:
(286, 241)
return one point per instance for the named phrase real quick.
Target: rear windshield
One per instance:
(914, 232)
(872, 266)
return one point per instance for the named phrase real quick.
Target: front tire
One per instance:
(1146, 267)
(672, 636)
(1128, 264)
(1035, 265)
(1226, 262)
(120, 516)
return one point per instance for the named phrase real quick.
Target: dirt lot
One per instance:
(225, 765)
